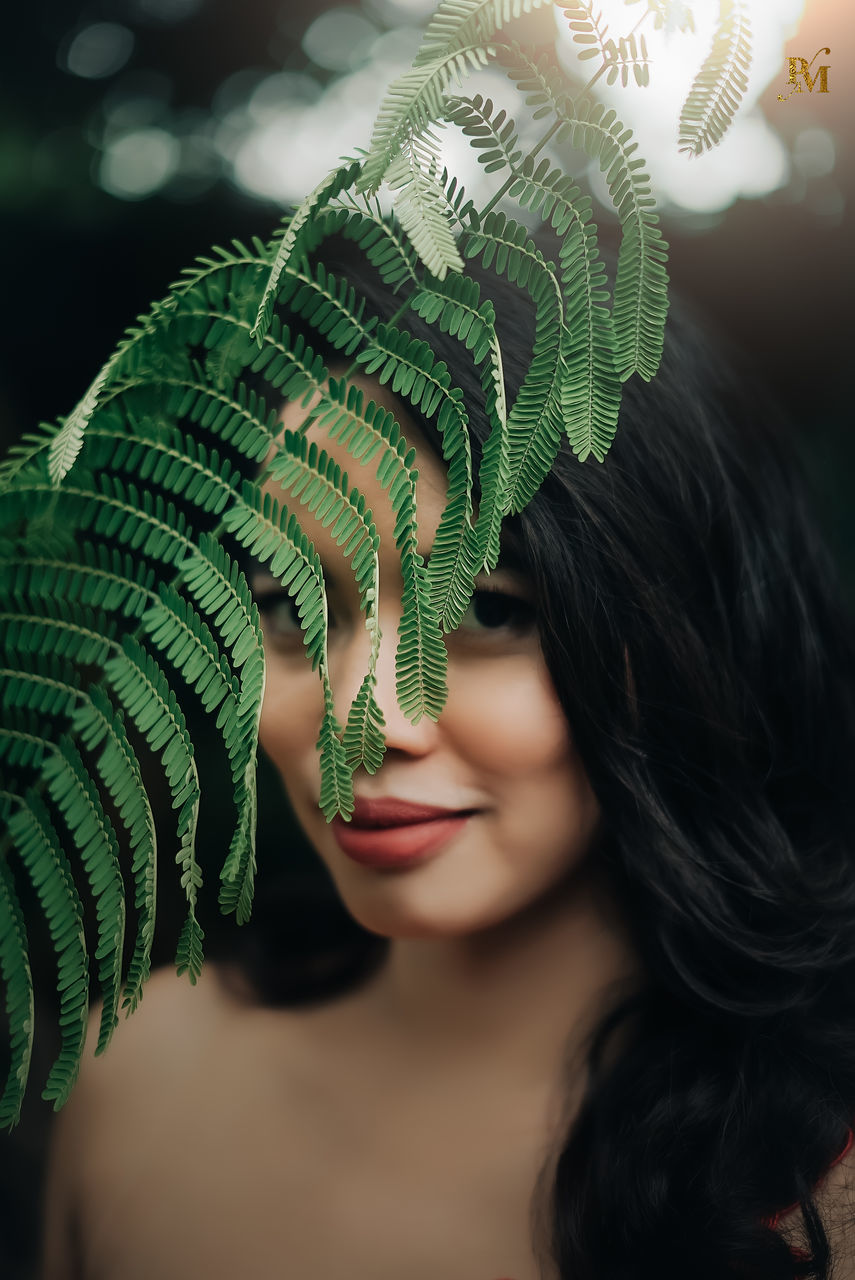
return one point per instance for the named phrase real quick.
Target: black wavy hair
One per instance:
(698, 642)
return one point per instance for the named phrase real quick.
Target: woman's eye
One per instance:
(491, 610)
(279, 615)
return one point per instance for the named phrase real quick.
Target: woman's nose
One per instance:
(400, 733)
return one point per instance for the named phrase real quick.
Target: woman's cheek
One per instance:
(505, 715)
(290, 714)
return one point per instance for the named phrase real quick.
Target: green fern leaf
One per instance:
(413, 102)
(368, 430)
(718, 87)
(363, 742)
(589, 30)
(534, 421)
(336, 780)
(236, 415)
(17, 978)
(221, 591)
(459, 23)
(49, 870)
(66, 445)
(290, 366)
(591, 391)
(380, 239)
(328, 304)
(339, 180)
(144, 692)
(98, 724)
(270, 532)
(75, 795)
(103, 579)
(421, 207)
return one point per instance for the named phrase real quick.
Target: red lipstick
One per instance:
(390, 833)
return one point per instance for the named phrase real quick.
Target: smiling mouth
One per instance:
(388, 844)
(389, 811)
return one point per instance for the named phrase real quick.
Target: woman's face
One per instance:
(500, 757)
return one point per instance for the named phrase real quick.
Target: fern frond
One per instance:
(75, 795)
(144, 692)
(409, 366)
(641, 287)
(104, 578)
(173, 626)
(221, 591)
(421, 207)
(534, 421)
(237, 415)
(339, 180)
(336, 780)
(626, 53)
(363, 742)
(60, 628)
(22, 745)
(641, 284)
(290, 365)
(459, 23)
(39, 849)
(718, 88)
(454, 304)
(21, 454)
(412, 104)
(307, 472)
(330, 305)
(68, 442)
(222, 260)
(369, 429)
(98, 724)
(421, 658)
(49, 689)
(47, 686)
(379, 237)
(18, 980)
(181, 465)
(591, 391)
(269, 532)
(143, 522)
(588, 29)
(492, 137)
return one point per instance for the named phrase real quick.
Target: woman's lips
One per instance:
(395, 833)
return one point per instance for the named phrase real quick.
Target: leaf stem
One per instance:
(506, 185)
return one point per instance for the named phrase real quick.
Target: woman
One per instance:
(592, 1015)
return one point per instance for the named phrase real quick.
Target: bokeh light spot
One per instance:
(136, 164)
(814, 153)
(339, 39)
(99, 50)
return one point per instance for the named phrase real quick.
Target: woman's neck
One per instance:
(524, 993)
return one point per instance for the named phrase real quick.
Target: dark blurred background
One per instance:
(136, 133)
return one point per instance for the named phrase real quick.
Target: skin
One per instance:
(501, 746)
(407, 1128)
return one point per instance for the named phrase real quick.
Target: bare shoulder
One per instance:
(835, 1200)
(110, 1096)
(170, 1027)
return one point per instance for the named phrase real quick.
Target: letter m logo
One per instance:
(801, 75)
